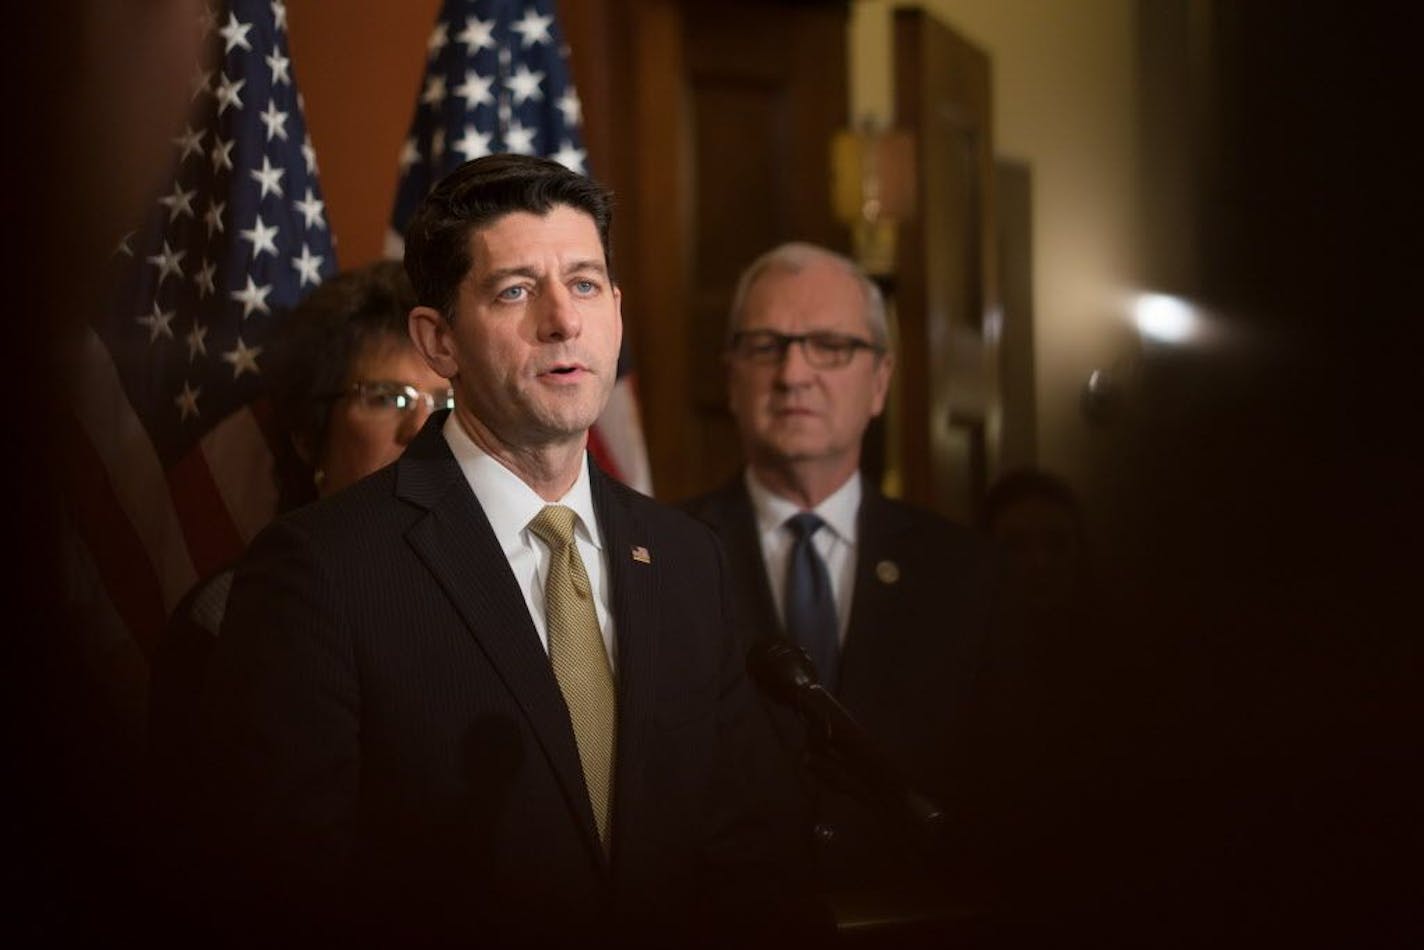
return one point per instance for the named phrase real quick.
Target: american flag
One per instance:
(497, 79)
(173, 470)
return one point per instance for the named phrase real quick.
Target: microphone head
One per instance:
(781, 669)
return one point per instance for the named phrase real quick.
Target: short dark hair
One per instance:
(314, 346)
(1023, 484)
(476, 194)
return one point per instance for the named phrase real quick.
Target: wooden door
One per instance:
(948, 414)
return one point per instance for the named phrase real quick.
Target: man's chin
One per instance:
(793, 448)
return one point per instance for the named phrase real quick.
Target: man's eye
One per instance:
(516, 292)
(585, 287)
(830, 345)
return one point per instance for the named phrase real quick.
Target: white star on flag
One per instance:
(158, 323)
(524, 84)
(533, 28)
(222, 155)
(477, 35)
(475, 90)
(197, 342)
(519, 139)
(438, 38)
(252, 297)
(190, 142)
(227, 94)
(204, 279)
(279, 65)
(434, 93)
(570, 157)
(269, 177)
(167, 261)
(312, 210)
(235, 34)
(243, 358)
(213, 217)
(275, 121)
(570, 106)
(473, 144)
(261, 238)
(179, 204)
(308, 266)
(187, 401)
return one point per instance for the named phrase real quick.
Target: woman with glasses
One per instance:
(348, 386)
(350, 391)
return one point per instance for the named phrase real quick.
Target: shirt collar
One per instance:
(838, 510)
(508, 502)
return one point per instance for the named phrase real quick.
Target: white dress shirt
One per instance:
(510, 505)
(836, 542)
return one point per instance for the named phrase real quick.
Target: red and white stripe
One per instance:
(152, 533)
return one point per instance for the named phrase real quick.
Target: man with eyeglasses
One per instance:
(887, 600)
(490, 696)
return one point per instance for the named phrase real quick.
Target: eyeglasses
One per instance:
(385, 396)
(822, 350)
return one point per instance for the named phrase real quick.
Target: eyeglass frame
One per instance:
(808, 341)
(415, 396)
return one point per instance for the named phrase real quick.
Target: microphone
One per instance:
(785, 673)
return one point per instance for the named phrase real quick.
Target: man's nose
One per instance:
(559, 317)
(793, 368)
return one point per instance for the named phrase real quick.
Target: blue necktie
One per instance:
(810, 603)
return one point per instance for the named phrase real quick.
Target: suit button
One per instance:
(823, 834)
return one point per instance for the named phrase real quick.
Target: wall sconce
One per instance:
(873, 190)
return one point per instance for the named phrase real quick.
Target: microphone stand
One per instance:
(849, 756)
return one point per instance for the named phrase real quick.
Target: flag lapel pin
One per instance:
(641, 555)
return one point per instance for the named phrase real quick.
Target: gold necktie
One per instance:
(579, 659)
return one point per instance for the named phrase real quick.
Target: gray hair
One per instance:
(794, 257)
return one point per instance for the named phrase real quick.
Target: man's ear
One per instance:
(430, 332)
(883, 372)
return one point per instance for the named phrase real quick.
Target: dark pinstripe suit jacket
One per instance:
(911, 665)
(390, 743)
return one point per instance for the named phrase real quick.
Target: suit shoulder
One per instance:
(714, 507)
(661, 515)
(927, 526)
(367, 507)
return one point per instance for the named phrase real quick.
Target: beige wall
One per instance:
(1063, 80)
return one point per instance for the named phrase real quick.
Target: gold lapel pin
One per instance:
(888, 572)
(641, 555)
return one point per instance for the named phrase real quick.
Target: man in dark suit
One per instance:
(898, 608)
(488, 692)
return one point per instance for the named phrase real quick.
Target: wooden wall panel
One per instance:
(358, 66)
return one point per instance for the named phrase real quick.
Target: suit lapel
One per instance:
(887, 632)
(633, 586)
(458, 546)
(867, 656)
(736, 524)
(731, 516)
